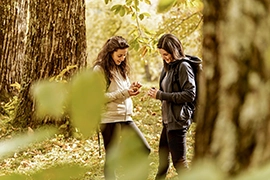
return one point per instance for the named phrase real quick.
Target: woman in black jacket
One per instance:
(177, 92)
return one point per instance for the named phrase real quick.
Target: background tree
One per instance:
(233, 122)
(99, 16)
(55, 41)
(126, 18)
(184, 19)
(234, 118)
(13, 25)
(143, 24)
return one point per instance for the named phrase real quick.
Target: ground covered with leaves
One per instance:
(59, 151)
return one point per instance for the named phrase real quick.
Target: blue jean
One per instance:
(110, 132)
(171, 142)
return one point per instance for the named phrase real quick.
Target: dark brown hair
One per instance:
(104, 58)
(172, 45)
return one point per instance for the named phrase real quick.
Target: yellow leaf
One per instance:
(164, 5)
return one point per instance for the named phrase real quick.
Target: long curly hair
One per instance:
(105, 60)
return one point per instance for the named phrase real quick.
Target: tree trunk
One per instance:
(55, 40)
(13, 23)
(233, 125)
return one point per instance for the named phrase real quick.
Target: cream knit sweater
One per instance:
(119, 105)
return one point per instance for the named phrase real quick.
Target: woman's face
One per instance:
(166, 56)
(119, 55)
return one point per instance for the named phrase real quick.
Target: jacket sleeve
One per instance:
(187, 85)
(119, 94)
(112, 96)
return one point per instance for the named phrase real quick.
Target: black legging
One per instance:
(173, 142)
(111, 132)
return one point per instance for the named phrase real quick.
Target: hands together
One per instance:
(134, 89)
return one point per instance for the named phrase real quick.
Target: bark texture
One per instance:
(13, 26)
(233, 125)
(55, 40)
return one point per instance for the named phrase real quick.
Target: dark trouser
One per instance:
(111, 132)
(173, 142)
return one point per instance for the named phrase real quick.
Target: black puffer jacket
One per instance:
(181, 90)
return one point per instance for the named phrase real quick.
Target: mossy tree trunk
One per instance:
(13, 24)
(233, 126)
(55, 40)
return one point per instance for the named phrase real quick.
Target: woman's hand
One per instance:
(153, 92)
(134, 89)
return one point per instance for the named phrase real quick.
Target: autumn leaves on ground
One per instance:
(78, 157)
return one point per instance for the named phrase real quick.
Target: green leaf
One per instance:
(136, 2)
(23, 141)
(148, 2)
(203, 169)
(141, 16)
(146, 14)
(131, 154)
(136, 8)
(116, 8)
(129, 2)
(14, 177)
(122, 11)
(62, 172)
(262, 172)
(50, 98)
(148, 31)
(134, 44)
(165, 5)
(87, 101)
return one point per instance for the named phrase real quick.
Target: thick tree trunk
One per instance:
(13, 23)
(55, 40)
(233, 125)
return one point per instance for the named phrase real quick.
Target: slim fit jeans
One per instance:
(111, 132)
(171, 142)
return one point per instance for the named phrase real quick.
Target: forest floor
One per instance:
(84, 151)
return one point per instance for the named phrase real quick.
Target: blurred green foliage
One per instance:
(165, 5)
(22, 141)
(87, 101)
(60, 172)
(51, 97)
(129, 156)
(126, 156)
(82, 97)
(140, 22)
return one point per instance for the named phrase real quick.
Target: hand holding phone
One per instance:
(152, 92)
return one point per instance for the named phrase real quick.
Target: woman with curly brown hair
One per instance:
(112, 62)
